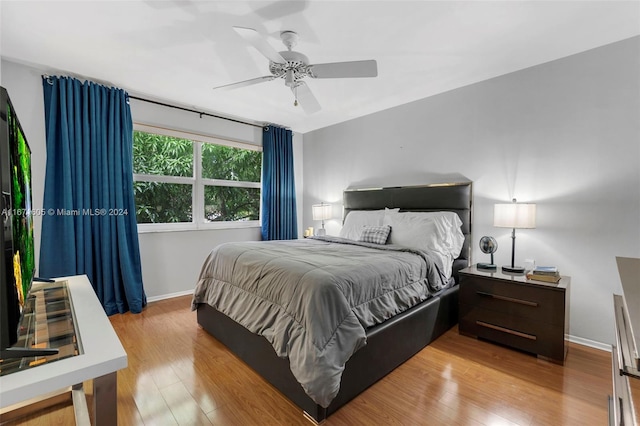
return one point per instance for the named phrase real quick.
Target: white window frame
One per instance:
(196, 181)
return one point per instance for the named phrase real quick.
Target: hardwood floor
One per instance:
(179, 375)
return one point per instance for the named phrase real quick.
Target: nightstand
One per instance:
(532, 316)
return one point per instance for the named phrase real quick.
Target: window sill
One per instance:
(145, 228)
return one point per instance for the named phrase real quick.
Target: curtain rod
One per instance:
(197, 112)
(47, 76)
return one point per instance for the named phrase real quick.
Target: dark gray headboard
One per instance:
(455, 197)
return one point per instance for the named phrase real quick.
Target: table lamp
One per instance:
(514, 215)
(321, 212)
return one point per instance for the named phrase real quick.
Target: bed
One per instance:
(382, 344)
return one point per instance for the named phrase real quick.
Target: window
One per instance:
(189, 181)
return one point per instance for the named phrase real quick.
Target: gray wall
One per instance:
(564, 135)
(171, 261)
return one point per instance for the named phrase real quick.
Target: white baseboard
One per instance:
(169, 296)
(590, 343)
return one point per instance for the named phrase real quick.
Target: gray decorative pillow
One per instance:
(375, 234)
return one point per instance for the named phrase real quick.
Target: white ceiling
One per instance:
(177, 51)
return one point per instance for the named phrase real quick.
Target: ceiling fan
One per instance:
(293, 67)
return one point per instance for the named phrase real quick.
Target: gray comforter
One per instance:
(313, 299)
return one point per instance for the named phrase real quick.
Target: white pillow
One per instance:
(358, 219)
(438, 233)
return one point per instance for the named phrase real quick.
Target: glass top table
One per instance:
(89, 351)
(47, 322)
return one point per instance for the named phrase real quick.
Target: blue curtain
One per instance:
(279, 218)
(90, 224)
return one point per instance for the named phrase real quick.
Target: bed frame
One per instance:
(388, 344)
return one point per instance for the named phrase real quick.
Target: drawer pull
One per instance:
(508, 299)
(506, 330)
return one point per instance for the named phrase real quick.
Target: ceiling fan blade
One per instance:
(280, 9)
(367, 68)
(260, 43)
(305, 98)
(245, 83)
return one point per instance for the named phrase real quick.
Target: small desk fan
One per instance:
(488, 245)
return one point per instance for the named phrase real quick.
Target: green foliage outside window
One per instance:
(169, 202)
(159, 202)
(228, 163)
(162, 155)
(228, 203)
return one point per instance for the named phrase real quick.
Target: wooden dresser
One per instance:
(532, 316)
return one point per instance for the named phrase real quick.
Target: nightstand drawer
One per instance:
(534, 303)
(513, 311)
(531, 336)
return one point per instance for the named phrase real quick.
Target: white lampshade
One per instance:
(321, 211)
(514, 215)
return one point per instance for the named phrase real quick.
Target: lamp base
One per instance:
(487, 266)
(320, 232)
(513, 269)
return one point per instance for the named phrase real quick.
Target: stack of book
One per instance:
(547, 274)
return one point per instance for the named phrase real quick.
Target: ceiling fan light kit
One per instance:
(294, 66)
(289, 38)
